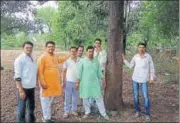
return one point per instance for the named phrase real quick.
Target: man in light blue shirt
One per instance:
(25, 75)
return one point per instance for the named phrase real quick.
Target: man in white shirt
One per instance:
(69, 83)
(144, 72)
(26, 76)
(101, 55)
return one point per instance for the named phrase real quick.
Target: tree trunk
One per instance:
(113, 91)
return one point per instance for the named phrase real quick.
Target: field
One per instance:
(164, 97)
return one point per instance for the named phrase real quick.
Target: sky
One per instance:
(52, 4)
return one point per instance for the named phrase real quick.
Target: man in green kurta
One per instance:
(89, 82)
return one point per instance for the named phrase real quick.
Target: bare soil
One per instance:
(164, 98)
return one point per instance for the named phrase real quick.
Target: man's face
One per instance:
(50, 48)
(28, 49)
(73, 52)
(141, 49)
(90, 53)
(97, 44)
(80, 51)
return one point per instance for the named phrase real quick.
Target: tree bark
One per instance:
(113, 91)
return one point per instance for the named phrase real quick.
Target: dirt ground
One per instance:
(164, 98)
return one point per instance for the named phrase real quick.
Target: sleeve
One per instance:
(131, 64)
(62, 59)
(18, 69)
(152, 69)
(104, 57)
(100, 75)
(41, 64)
(65, 65)
(80, 70)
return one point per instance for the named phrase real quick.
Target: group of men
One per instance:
(82, 77)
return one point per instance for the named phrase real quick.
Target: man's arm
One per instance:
(100, 75)
(62, 59)
(152, 70)
(131, 64)
(79, 76)
(18, 74)
(41, 65)
(64, 74)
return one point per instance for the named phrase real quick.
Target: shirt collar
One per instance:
(145, 55)
(73, 60)
(24, 54)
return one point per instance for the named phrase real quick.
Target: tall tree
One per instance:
(113, 91)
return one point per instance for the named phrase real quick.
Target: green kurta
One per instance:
(90, 74)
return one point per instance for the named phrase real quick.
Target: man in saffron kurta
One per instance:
(89, 82)
(49, 76)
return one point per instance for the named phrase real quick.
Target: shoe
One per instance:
(137, 114)
(85, 116)
(65, 115)
(74, 113)
(106, 117)
(148, 118)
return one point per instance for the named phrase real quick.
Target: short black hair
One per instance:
(50, 42)
(89, 47)
(27, 42)
(73, 47)
(141, 43)
(81, 47)
(97, 39)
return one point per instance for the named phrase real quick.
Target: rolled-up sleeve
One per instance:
(17, 69)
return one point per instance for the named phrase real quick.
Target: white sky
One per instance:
(52, 4)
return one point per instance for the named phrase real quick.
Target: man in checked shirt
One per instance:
(144, 72)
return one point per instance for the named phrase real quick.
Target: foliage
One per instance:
(80, 22)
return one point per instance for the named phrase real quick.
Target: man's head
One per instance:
(27, 47)
(73, 51)
(97, 43)
(141, 47)
(50, 47)
(80, 51)
(90, 51)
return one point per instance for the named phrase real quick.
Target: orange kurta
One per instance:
(48, 73)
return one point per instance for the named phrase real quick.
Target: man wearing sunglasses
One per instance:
(144, 72)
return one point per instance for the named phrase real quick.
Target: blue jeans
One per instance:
(71, 97)
(26, 106)
(144, 88)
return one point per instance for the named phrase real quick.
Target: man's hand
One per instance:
(77, 84)
(150, 82)
(123, 57)
(22, 94)
(44, 86)
(63, 85)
